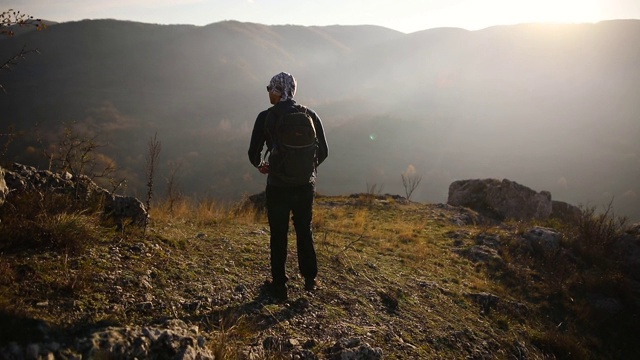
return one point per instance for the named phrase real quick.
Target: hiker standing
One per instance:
(296, 145)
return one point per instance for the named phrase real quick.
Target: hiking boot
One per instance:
(279, 291)
(309, 284)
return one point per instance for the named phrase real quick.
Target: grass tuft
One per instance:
(46, 222)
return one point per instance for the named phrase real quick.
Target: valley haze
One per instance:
(551, 106)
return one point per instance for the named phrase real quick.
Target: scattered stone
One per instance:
(353, 349)
(490, 240)
(251, 353)
(293, 343)
(543, 238)
(303, 354)
(486, 301)
(479, 254)
(241, 288)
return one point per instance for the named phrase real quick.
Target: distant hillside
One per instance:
(553, 106)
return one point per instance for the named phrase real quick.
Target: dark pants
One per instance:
(281, 201)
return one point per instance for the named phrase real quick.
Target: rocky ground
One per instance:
(397, 280)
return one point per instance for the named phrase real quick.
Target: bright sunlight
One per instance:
(565, 11)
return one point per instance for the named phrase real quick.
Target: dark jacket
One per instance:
(259, 138)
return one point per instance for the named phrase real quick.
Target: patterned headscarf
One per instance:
(284, 84)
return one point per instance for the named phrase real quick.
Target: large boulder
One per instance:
(500, 199)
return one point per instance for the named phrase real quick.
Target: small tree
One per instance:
(76, 153)
(410, 180)
(173, 191)
(153, 146)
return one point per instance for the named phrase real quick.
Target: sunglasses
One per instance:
(276, 88)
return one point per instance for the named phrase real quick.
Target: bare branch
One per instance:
(8, 21)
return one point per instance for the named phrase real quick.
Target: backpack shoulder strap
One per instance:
(269, 124)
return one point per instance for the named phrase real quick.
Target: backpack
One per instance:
(293, 145)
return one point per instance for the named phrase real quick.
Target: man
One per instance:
(286, 195)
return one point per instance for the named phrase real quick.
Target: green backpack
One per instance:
(293, 145)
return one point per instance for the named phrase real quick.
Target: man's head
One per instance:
(281, 87)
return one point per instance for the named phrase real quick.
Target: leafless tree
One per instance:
(410, 180)
(153, 146)
(173, 191)
(76, 153)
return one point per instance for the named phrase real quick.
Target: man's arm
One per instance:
(257, 139)
(323, 150)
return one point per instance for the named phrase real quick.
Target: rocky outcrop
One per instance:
(27, 179)
(565, 212)
(500, 199)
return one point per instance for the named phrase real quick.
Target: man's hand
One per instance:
(263, 168)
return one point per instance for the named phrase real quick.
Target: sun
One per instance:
(563, 11)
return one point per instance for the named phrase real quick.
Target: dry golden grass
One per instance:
(205, 212)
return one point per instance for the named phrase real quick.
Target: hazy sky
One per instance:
(403, 15)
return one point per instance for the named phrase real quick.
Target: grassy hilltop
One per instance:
(418, 281)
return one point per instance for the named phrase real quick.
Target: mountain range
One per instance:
(551, 106)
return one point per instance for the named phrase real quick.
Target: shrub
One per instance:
(594, 237)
